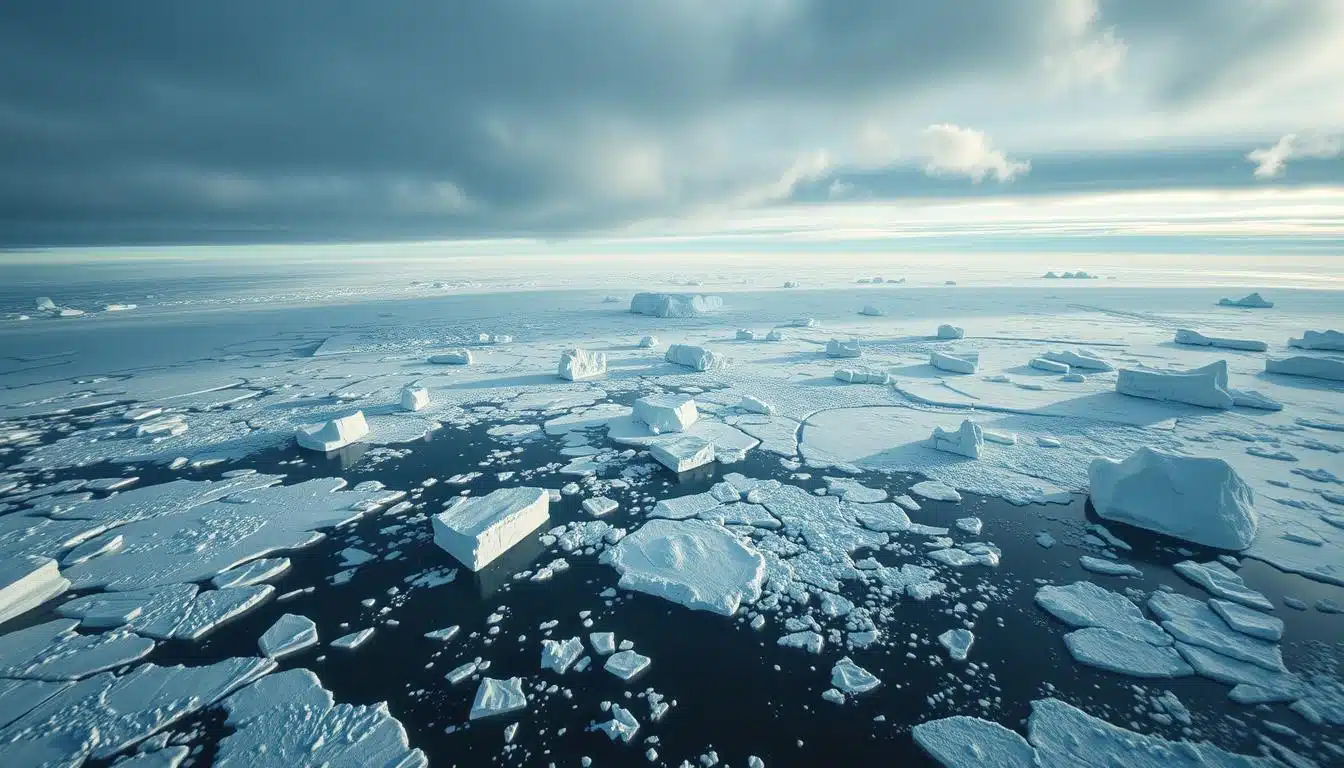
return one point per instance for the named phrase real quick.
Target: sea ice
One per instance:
(599, 506)
(696, 358)
(498, 697)
(850, 678)
(1200, 500)
(1107, 567)
(674, 304)
(871, 311)
(1197, 339)
(1247, 621)
(852, 490)
(1083, 604)
(353, 640)
(806, 640)
(838, 348)
(1312, 367)
(946, 331)
(414, 398)
(962, 362)
(1221, 581)
(604, 643)
(27, 581)
(1249, 301)
(1049, 366)
(560, 656)
(682, 453)
(746, 334)
(1206, 386)
(932, 489)
(288, 635)
(648, 342)
(968, 440)
(1117, 652)
(255, 572)
(666, 412)
(452, 357)
(962, 741)
(622, 725)
(334, 434)
(695, 563)
(1079, 358)
(580, 364)
(756, 405)
(479, 529)
(957, 642)
(775, 335)
(169, 612)
(626, 664)
(1328, 341)
(1195, 623)
(54, 651)
(862, 376)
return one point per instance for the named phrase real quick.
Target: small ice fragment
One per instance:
(604, 643)
(559, 656)
(962, 362)
(353, 640)
(756, 405)
(1107, 567)
(443, 635)
(935, 490)
(599, 506)
(957, 642)
(971, 525)
(288, 635)
(626, 664)
(334, 434)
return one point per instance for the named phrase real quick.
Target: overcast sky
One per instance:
(347, 119)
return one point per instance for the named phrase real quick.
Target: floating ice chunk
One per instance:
(648, 342)
(288, 635)
(756, 405)
(1117, 652)
(461, 672)
(452, 357)
(560, 656)
(1107, 567)
(862, 376)
(1221, 581)
(45, 304)
(333, 435)
(971, 525)
(1049, 366)
(852, 490)
(604, 643)
(1205, 387)
(1313, 367)
(674, 304)
(695, 563)
(168, 426)
(580, 364)
(804, 322)
(932, 489)
(94, 548)
(1079, 358)
(626, 664)
(622, 725)
(838, 348)
(498, 697)
(697, 358)
(255, 572)
(666, 412)
(69, 312)
(1066, 736)
(353, 640)
(968, 440)
(806, 640)
(683, 507)
(1329, 341)
(1249, 301)
(414, 398)
(745, 334)
(1197, 339)
(962, 362)
(946, 331)
(969, 742)
(682, 453)
(27, 581)
(871, 311)
(1195, 623)
(852, 679)
(1247, 621)
(1084, 604)
(54, 651)
(476, 530)
(957, 642)
(599, 506)
(1045, 540)
(140, 414)
(1200, 500)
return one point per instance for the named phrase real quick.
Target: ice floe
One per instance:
(478, 530)
(27, 581)
(695, 563)
(498, 697)
(289, 634)
(957, 642)
(414, 399)
(862, 376)
(849, 678)
(1197, 339)
(946, 331)
(626, 664)
(1084, 604)
(334, 434)
(560, 655)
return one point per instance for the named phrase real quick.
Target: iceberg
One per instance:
(414, 398)
(838, 348)
(957, 642)
(288, 635)
(498, 697)
(27, 581)
(452, 357)
(862, 376)
(1197, 339)
(682, 453)
(745, 334)
(666, 412)
(1200, 500)
(694, 563)
(1079, 358)
(1205, 387)
(962, 362)
(476, 530)
(968, 440)
(648, 342)
(698, 358)
(1049, 366)
(1249, 301)
(579, 364)
(560, 656)
(1313, 367)
(871, 311)
(775, 335)
(674, 304)
(756, 405)
(1326, 341)
(946, 331)
(626, 664)
(333, 435)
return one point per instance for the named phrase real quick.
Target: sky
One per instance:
(818, 121)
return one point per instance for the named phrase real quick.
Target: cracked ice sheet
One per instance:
(201, 542)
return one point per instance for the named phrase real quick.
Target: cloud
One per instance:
(1086, 54)
(955, 151)
(1272, 161)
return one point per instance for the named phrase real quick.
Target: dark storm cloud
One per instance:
(349, 119)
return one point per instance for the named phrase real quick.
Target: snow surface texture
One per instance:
(479, 529)
(1200, 500)
(695, 563)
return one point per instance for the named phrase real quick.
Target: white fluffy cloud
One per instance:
(951, 150)
(1271, 161)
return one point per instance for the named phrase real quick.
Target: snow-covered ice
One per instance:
(695, 563)
(862, 376)
(961, 362)
(414, 398)
(967, 440)
(477, 530)
(334, 434)
(560, 655)
(498, 697)
(946, 331)
(1205, 387)
(580, 364)
(850, 678)
(289, 634)
(1328, 368)
(626, 664)
(666, 412)
(1325, 341)
(843, 349)
(674, 304)
(682, 453)
(1084, 359)
(695, 358)
(1199, 499)
(932, 489)
(353, 640)
(1197, 339)
(27, 581)
(452, 357)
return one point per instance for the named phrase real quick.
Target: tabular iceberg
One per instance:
(1313, 367)
(414, 398)
(946, 331)
(682, 453)
(838, 348)
(478, 530)
(699, 358)
(667, 412)
(26, 582)
(1197, 339)
(1206, 386)
(862, 376)
(1329, 341)
(579, 364)
(674, 304)
(334, 434)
